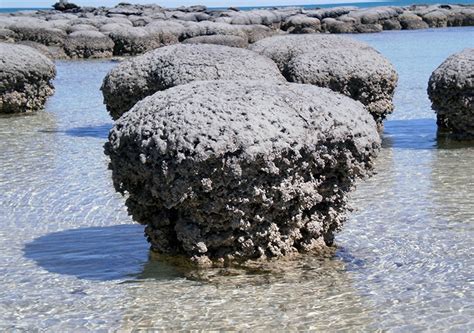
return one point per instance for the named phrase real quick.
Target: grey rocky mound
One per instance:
(236, 170)
(339, 63)
(173, 65)
(88, 44)
(135, 40)
(25, 78)
(451, 90)
(39, 31)
(361, 73)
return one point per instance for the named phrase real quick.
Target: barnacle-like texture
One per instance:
(237, 170)
(173, 65)
(451, 90)
(88, 44)
(25, 78)
(342, 64)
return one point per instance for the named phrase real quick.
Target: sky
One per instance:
(171, 3)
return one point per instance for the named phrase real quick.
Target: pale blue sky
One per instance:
(172, 3)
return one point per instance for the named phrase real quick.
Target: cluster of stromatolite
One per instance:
(344, 65)
(173, 65)
(135, 28)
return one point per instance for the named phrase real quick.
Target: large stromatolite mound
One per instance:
(25, 78)
(241, 169)
(451, 90)
(341, 64)
(173, 65)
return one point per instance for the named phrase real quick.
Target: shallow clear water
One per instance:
(71, 258)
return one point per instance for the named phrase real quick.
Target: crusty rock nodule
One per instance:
(236, 170)
(342, 64)
(451, 90)
(25, 78)
(173, 65)
(88, 44)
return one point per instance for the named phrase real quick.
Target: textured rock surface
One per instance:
(25, 78)
(301, 24)
(132, 41)
(341, 64)
(136, 29)
(283, 48)
(88, 44)
(233, 170)
(227, 40)
(173, 65)
(38, 31)
(451, 90)
(360, 73)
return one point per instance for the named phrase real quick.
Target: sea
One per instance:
(72, 259)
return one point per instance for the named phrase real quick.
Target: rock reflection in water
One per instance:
(308, 293)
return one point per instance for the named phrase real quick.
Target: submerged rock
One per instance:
(173, 65)
(341, 64)
(235, 170)
(25, 78)
(450, 89)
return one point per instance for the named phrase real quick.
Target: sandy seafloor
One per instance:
(72, 260)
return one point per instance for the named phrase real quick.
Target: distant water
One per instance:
(12, 10)
(356, 4)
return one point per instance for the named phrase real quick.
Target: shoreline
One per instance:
(128, 30)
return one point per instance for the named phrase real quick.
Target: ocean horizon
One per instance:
(365, 4)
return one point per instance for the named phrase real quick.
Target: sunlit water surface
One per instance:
(72, 259)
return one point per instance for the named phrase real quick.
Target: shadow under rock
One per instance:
(410, 134)
(96, 131)
(97, 253)
(418, 134)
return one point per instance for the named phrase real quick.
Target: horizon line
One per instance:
(283, 5)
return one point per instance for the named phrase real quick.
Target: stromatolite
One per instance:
(173, 65)
(236, 170)
(451, 90)
(25, 78)
(339, 63)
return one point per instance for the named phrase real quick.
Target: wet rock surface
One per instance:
(450, 89)
(162, 26)
(174, 65)
(25, 78)
(224, 171)
(344, 65)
